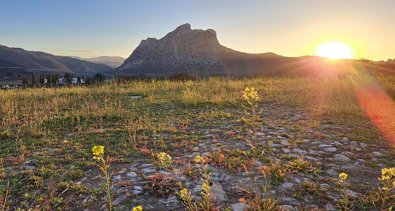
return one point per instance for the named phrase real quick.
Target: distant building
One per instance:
(61, 81)
(10, 83)
(74, 81)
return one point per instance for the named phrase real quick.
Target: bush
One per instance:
(4, 135)
(182, 77)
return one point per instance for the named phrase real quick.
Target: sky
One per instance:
(90, 28)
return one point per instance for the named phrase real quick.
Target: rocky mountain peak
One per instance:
(192, 51)
(183, 28)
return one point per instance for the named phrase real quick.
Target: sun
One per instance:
(335, 50)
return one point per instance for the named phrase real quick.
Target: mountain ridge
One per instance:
(42, 62)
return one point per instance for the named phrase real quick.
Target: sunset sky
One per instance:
(90, 28)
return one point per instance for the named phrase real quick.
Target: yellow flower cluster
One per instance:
(138, 208)
(250, 94)
(98, 152)
(164, 159)
(206, 187)
(198, 159)
(388, 173)
(343, 176)
(183, 194)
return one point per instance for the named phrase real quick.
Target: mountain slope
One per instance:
(191, 51)
(112, 61)
(198, 52)
(35, 62)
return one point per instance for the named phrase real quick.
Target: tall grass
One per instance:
(36, 109)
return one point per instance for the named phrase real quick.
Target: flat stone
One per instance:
(30, 168)
(377, 154)
(363, 145)
(330, 149)
(138, 187)
(276, 145)
(131, 174)
(286, 208)
(300, 151)
(285, 150)
(218, 192)
(137, 190)
(341, 158)
(259, 134)
(146, 165)
(330, 207)
(195, 149)
(148, 171)
(311, 158)
(239, 207)
(197, 189)
(287, 185)
(289, 200)
(172, 201)
(117, 178)
(118, 200)
(136, 97)
(324, 145)
(285, 142)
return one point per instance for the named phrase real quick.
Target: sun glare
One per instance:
(335, 50)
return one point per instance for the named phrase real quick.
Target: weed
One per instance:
(104, 166)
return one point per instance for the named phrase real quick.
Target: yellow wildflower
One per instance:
(205, 187)
(198, 159)
(97, 151)
(183, 194)
(343, 176)
(164, 159)
(387, 173)
(163, 156)
(138, 208)
(250, 94)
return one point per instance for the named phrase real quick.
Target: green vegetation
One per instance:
(47, 134)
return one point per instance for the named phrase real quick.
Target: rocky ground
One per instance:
(309, 151)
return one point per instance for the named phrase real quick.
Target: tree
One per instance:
(88, 81)
(33, 79)
(54, 79)
(41, 79)
(98, 78)
(24, 81)
(68, 78)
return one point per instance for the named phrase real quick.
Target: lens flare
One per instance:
(335, 50)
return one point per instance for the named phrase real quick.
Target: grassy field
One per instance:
(47, 135)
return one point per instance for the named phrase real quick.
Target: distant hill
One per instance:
(40, 62)
(199, 53)
(112, 61)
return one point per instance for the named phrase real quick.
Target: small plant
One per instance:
(345, 201)
(385, 195)
(185, 196)
(104, 166)
(251, 115)
(165, 160)
(268, 204)
(138, 208)
(4, 134)
(162, 184)
(300, 164)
